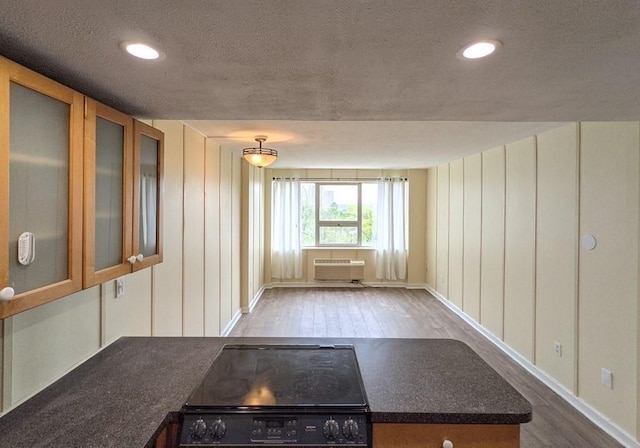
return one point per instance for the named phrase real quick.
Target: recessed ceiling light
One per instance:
(141, 51)
(479, 49)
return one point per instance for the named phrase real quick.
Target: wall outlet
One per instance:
(119, 287)
(557, 349)
(606, 378)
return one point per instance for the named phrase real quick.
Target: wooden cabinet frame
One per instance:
(12, 72)
(140, 129)
(93, 110)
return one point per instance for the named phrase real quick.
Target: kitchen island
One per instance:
(128, 394)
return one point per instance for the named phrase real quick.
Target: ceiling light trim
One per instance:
(143, 51)
(479, 49)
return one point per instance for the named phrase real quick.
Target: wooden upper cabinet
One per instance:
(108, 193)
(148, 168)
(41, 138)
(80, 191)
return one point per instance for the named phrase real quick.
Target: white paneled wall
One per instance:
(130, 314)
(442, 231)
(43, 343)
(608, 274)
(556, 244)
(167, 276)
(212, 298)
(472, 235)
(431, 225)
(236, 234)
(193, 235)
(520, 246)
(529, 204)
(492, 256)
(417, 262)
(456, 229)
(252, 235)
(226, 243)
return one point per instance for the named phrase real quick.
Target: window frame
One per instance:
(320, 223)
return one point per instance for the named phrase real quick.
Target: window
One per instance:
(338, 214)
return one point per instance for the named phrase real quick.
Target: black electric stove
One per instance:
(275, 395)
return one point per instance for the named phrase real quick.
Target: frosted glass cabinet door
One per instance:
(147, 206)
(41, 127)
(108, 177)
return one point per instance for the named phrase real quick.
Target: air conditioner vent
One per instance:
(338, 269)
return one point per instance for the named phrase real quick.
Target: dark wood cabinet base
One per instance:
(409, 435)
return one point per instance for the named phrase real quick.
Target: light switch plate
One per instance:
(119, 287)
(606, 378)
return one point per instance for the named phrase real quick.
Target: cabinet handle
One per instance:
(140, 257)
(447, 444)
(7, 293)
(132, 259)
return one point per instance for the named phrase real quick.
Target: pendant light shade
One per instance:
(260, 156)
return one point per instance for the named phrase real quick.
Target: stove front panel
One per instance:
(283, 429)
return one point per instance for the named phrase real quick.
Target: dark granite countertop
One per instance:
(120, 396)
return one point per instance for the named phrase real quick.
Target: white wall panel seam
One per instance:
(576, 338)
(504, 235)
(220, 238)
(535, 251)
(204, 234)
(462, 292)
(638, 328)
(103, 315)
(448, 226)
(184, 178)
(481, 231)
(7, 364)
(437, 196)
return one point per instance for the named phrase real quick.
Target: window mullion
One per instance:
(359, 214)
(317, 213)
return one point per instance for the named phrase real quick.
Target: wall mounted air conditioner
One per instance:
(338, 269)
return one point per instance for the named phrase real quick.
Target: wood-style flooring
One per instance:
(402, 313)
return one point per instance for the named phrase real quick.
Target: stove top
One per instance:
(277, 376)
(275, 395)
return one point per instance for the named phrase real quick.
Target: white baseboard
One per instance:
(254, 301)
(230, 325)
(385, 285)
(330, 284)
(327, 284)
(580, 405)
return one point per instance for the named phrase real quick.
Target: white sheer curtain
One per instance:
(286, 254)
(391, 247)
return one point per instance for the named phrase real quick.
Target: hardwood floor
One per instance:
(402, 313)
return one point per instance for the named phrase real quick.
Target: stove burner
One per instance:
(312, 386)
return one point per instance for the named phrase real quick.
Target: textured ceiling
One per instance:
(346, 61)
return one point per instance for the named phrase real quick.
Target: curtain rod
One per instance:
(340, 179)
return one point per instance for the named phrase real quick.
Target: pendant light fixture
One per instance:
(260, 156)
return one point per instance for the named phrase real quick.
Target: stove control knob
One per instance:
(350, 429)
(218, 429)
(331, 429)
(198, 429)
